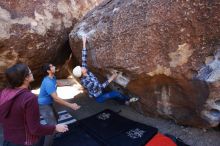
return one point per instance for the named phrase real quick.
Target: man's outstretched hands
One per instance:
(84, 41)
(84, 38)
(114, 76)
(74, 106)
(61, 128)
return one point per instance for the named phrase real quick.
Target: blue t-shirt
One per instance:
(48, 87)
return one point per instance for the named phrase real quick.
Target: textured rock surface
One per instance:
(160, 46)
(37, 31)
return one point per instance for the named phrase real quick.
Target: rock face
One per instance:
(36, 32)
(160, 47)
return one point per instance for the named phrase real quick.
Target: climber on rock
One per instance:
(93, 86)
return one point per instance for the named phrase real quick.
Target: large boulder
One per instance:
(163, 49)
(35, 32)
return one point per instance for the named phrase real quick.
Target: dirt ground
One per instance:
(191, 136)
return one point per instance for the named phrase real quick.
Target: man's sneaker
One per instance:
(133, 99)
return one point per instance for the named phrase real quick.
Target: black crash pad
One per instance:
(76, 136)
(106, 128)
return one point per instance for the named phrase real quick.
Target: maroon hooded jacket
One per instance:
(20, 117)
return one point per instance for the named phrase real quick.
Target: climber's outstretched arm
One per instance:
(84, 53)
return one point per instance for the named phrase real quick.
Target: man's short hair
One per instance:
(45, 68)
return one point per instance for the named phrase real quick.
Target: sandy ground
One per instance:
(191, 136)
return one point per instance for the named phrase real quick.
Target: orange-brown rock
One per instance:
(161, 47)
(35, 32)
